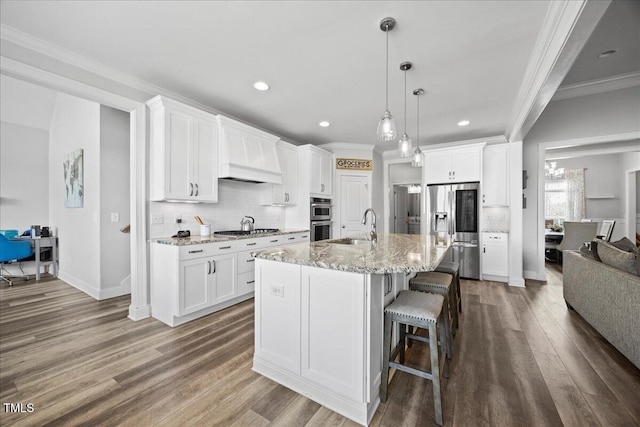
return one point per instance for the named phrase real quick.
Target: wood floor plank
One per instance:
(573, 408)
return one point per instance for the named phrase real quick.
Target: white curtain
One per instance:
(575, 194)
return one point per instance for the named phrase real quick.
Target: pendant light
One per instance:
(386, 125)
(417, 161)
(404, 143)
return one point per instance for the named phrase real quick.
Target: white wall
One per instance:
(75, 123)
(235, 200)
(599, 115)
(24, 176)
(115, 249)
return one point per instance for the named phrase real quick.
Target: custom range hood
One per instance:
(247, 154)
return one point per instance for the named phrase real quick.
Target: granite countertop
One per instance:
(197, 240)
(393, 253)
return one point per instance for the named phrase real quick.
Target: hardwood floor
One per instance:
(520, 358)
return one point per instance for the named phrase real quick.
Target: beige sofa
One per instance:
(606, 297)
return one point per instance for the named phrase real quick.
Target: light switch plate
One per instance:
(157, 218)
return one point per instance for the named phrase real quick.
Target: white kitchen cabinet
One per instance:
(495, 175)
(246, 262)
(495, 256)
(191, 281)
(452, 165)
(318, 163)
(183, 152)
(284, 194)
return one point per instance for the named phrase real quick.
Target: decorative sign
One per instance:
(354, 164)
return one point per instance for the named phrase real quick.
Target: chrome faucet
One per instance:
(372, 233)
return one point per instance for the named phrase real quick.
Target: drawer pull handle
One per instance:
(250, 282)
(225, 247)
(195, 252)
(251, 260)
(251, 244)
(291, 238)
(274, 241)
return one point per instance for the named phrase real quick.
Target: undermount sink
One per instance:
(350, 241)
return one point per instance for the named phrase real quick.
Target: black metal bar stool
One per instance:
(420, 310)
(453, 268)
(442, 284)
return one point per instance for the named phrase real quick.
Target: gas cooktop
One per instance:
(245, 233)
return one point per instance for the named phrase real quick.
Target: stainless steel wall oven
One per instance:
(321, 215)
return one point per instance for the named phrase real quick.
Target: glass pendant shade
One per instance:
(416, 161)
(404, 146)
(387, 127)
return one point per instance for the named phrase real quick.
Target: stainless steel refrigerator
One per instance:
(452, 210)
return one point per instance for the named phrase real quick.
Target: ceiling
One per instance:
(325, 60)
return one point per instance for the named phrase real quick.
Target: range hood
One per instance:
(247, 154)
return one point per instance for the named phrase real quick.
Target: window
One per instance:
(555, 200)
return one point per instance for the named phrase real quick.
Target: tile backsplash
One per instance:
(495, 219)
(235, 200)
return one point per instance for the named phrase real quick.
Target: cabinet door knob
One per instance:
(344, 226)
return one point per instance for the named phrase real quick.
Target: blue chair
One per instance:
(12, 250)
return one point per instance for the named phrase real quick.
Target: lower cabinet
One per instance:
(192, 281)
(319, 332)
(495, 256)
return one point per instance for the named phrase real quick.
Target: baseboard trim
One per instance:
(139, 313)
(79, 284)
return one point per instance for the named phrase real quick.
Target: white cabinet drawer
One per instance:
(245, 262)
(496, 237)
(246, 282)
(259, 242)
(207, 249)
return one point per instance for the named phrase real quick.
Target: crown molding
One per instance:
(498, 139)
(566, 29)
(622, 81)
(347, 146)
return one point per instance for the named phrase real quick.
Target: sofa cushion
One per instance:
(615, 257)
(625, 245)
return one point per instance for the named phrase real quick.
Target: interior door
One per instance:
(354, 200)
(401, 197)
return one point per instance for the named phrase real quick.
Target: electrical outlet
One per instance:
(177, 218)
(277, 291)
(157, 218)
(115, 217)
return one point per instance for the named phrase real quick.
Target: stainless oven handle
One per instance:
(321, 205)
(315, 223)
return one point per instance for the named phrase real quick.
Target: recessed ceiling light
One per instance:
(607, 53)
(324, 124)
(262, 86)
(463, 122)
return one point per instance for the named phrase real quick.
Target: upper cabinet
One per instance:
(247, 153)
(287, 192)
(495, 170)
(452, 165)
(183, 152)
(321, 172)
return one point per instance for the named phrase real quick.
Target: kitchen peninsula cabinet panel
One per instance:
(183, 151)
(495, 182)
(452, 165)
(277, 326)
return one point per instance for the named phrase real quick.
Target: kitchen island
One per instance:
(319, 310)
